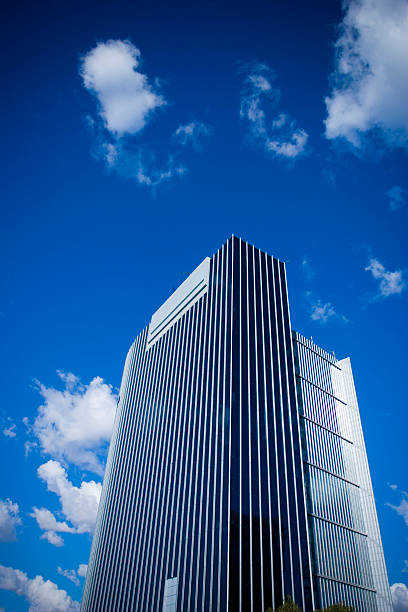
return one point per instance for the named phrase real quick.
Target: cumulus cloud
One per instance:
(125, 97)
(402, 508)
(46, 520)
(9, 520)
(275, 131)
(390, 283)
(75, 424)
(397, 198)
(42, 595)
(194, 134)
(79, 505)
(370, 82)
(399, 595)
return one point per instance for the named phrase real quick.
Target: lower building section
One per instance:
(330, 591)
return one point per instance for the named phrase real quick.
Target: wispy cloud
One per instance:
(9, 520)
(390, 283)
(74, 575)
(275, 131)
(402, 508)
(41, 594)
(399, 595)
(79, 505)
(307, 268)
(9, 431)
(370, 82)
(69, 574)
(195, 134)
(138, 163)
(323, 311)
(329, 176)
(397, 198)
(75, 424)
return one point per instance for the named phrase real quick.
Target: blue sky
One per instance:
(139, 137)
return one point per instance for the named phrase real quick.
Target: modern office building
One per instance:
(237, 472)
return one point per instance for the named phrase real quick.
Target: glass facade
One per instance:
(232, 464)
(347, 558)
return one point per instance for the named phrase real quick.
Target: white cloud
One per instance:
(402, 508)
(323, 311)
(111, 153)
(292, 148)
(53, 538)
(276, 132)
(47, 521)
(9, 431)
(79, 505)
(134, 161)
(7, 426)
(397, 197)
(9, 520)
(126, 102)
(82, 570)
(144, 168)
(370, 82)
(75, 424)
(399, 595)
(69, 574)
(42, 595)
(390, 283)
(405, 568)
(28, 446)
(125, 96)
(73, 575)
(195, 134)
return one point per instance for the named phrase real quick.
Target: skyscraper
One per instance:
(237, 472)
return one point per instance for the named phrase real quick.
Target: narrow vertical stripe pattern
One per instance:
(348, 560)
